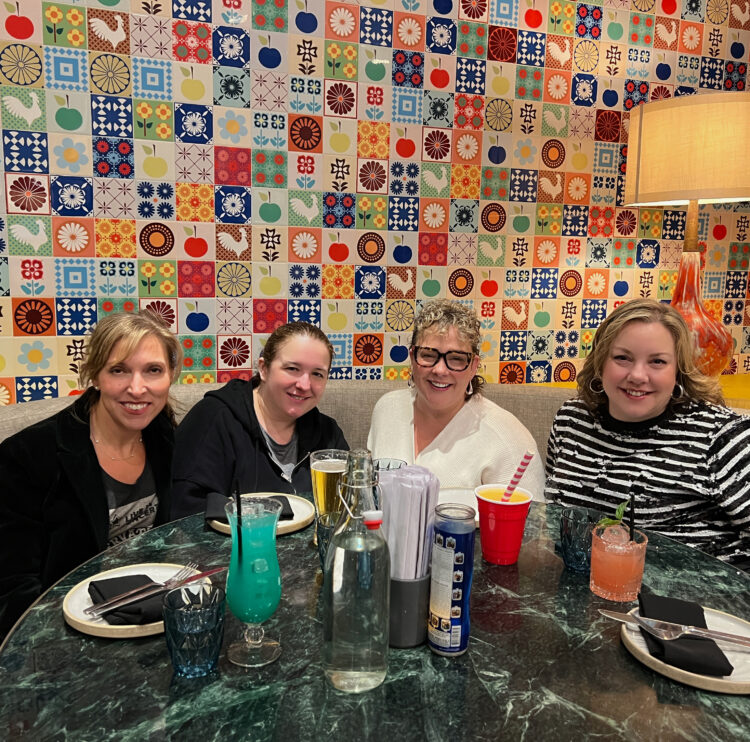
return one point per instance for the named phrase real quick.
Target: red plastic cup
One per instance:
(501, 524)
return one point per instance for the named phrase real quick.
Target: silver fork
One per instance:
(670, 631)
(167, 584)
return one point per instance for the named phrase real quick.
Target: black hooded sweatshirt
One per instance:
(220, 441)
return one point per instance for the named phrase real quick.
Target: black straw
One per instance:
(238, 509)
(632, 516)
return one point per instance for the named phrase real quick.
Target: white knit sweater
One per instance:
(482, 444)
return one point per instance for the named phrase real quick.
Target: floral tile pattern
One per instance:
(233, 166)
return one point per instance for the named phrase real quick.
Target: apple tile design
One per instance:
(346, 160)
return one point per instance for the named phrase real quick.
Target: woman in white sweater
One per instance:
(443, 422)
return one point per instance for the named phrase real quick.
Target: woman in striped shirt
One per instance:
(647, 422)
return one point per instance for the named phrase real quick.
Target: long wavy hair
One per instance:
(439, 315)
(693, 383)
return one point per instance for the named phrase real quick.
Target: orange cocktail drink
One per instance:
(501, 522)
(617, 563)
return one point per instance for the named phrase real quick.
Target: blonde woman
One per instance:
(96, 473)
(646, 422)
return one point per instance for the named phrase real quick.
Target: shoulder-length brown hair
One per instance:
(128, 329)
(693, 383)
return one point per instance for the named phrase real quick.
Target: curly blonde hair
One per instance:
(439, 315)
(693, 383)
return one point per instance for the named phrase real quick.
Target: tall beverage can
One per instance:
(452, 572)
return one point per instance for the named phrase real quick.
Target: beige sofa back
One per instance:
(350, 403)
(534, 406)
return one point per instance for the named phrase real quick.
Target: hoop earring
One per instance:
(591, 386)
(469, 389)
(680, 394)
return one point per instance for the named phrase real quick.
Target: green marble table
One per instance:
(542, 663)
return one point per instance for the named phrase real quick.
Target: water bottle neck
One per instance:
(358, 499)
(358, 483)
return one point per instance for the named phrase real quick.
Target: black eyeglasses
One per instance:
(455, 360)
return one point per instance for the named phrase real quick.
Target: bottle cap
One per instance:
(373, 519)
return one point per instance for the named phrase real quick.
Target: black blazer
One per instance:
(53, 507)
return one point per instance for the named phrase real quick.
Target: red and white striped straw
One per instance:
(517, 476)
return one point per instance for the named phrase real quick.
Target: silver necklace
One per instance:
(117, 458)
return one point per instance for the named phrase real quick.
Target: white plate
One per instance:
(78, 599)
(464, 496)
(739, 656)
(304, 514)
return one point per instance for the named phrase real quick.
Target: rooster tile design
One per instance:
(236, 164)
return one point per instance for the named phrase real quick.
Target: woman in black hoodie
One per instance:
(260, 433)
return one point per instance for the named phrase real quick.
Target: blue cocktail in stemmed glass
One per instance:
(254, 579)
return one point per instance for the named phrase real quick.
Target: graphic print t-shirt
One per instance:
(132, 507)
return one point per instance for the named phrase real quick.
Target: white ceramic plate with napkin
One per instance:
(738, 682)
(78, 599)
(304, 514)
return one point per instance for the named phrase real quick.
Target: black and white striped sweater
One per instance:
(689, 470)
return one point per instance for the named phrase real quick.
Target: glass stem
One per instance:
(253, 634)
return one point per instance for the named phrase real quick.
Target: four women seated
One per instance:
(645, 422)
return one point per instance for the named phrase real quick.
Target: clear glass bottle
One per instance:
(356, 586)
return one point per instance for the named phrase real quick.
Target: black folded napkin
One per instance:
(143, 611)
(215, 503)
(691, 653)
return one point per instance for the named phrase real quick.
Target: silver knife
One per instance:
(653, 625)
(155, 590)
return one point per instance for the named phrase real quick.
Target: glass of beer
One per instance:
(326, 468)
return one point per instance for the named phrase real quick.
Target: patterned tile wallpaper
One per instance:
(239, 163)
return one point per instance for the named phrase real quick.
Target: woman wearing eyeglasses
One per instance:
(443, 422)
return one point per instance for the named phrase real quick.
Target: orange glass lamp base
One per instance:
(713, 343)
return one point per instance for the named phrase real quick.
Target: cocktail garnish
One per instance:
(617, 520)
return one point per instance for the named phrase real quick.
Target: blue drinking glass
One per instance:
(576, 526)
(194, 628)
